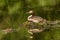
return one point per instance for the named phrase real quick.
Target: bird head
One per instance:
(30, 12)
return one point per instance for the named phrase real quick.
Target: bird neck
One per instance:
(29, 17)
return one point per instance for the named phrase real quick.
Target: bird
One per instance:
(35, 19)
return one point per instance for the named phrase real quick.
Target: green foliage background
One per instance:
(13, 14)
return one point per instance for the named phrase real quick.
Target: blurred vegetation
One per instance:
(13, 15)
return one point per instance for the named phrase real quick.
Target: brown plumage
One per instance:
(34, 18)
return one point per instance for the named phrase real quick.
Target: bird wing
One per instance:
(37, 18)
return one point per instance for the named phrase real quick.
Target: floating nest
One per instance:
(32, 25)
(45, 25)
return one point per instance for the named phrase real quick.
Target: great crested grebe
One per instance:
(35, 19)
